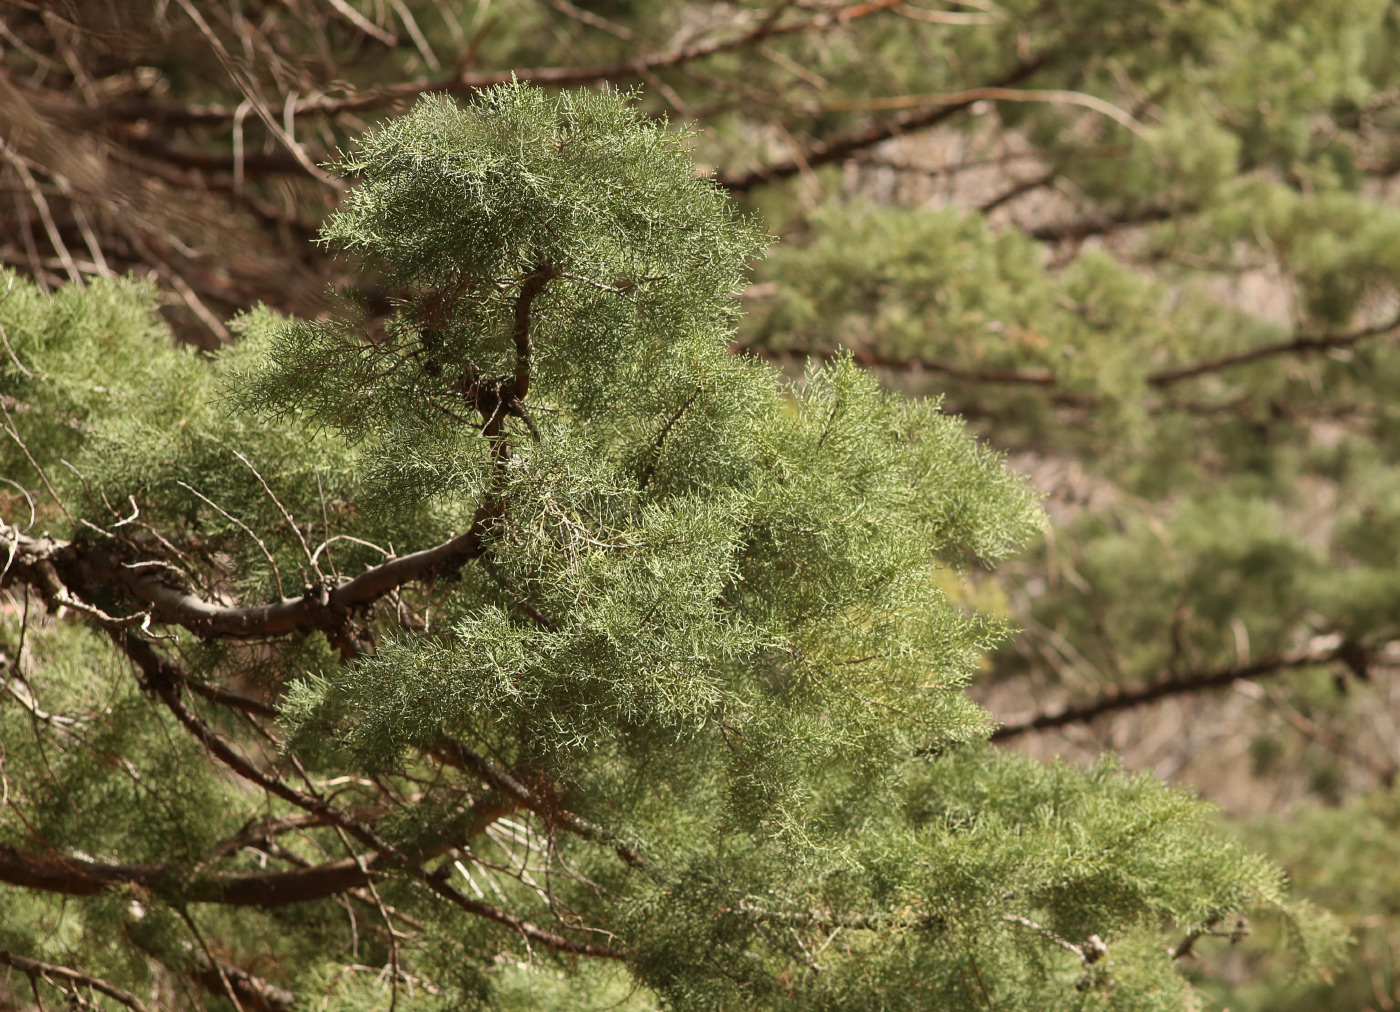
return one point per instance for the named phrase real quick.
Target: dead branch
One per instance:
(466, 83)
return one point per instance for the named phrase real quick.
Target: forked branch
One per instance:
(324, 609)
(65, 978)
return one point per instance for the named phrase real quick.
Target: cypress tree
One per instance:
(509, 634)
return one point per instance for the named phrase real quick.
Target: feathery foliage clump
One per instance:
(511, 624)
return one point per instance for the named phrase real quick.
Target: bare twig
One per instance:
(286, 513)
(1090, 952)
(461, 83)
(267, 554)
(660, 442)
(50, 972)
(363, 23)
(209, 955)
(45, 215)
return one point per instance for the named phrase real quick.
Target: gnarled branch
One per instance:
(325, 610)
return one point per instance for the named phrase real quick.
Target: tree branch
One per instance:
(524, 348)
(325, 610)
(465, 83)
(1018, 190)
(268, 890)
(53, 873)
(1129, 698)
(165, 679)
(254, 993)
(50, 972)
(1083, 228)
(1089, 952)
(1159, 379)
(233, 700)
(660, 442)
(455, 754)
(71, 876)
(1302, 345)
(527, 930)
(840, 147)
(914, 363)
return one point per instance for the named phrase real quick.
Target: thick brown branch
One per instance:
(1129, 698)
(253, 993)
(73, 876)
(86, 565)
(53, 873)
(81, 877)
(524, 348)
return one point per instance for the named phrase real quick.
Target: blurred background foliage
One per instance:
(1151, 251)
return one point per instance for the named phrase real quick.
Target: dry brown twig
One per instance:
(70, 979)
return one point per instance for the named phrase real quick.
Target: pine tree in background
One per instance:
(523, 642)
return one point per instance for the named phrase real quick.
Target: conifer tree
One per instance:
(510, 641)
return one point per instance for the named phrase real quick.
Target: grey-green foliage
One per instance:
(984, 867)
(711, 613)
(711, 547)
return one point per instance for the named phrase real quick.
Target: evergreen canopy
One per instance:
(514, 635)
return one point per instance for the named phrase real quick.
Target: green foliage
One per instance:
(990, 867)
(1345, 859)
(705, 616)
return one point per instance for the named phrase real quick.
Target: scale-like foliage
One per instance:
(681, 685)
